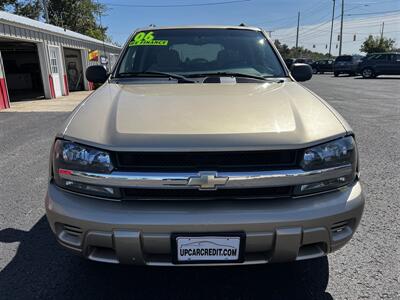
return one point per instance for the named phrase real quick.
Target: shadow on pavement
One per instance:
(378, 78)
(41, 269)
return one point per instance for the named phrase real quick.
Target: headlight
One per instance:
(69, 156)
(335, 153)
(341, 152)
(74, 156)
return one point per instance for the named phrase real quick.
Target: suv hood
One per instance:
(184, 117)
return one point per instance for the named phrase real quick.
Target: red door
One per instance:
(4, 100)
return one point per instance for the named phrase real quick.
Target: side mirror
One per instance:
(301, 72)
(96, 74)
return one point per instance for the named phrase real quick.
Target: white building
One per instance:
(39, 60)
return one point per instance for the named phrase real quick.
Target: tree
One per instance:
(282, 48)
(78, 15)
(377, 44)
(298, 52)
(29, 9)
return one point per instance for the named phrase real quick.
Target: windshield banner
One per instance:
(146, 39)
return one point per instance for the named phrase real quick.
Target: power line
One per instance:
(289, 19)
(175, 5)
(315, 33)
(293, 18)
(375, 13)
(312, 29)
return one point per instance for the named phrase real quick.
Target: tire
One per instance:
(336, 74)
(367, 73)
(314, 71)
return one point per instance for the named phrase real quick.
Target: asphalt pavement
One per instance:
(33, 265)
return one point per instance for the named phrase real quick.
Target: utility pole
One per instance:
(46, 12)
(383, 27)
(341, 30)
(333, 18)
(298, 26)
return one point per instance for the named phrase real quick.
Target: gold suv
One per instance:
(202, 148)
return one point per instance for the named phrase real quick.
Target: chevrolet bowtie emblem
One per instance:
(207, 181)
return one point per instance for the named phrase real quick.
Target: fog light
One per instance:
(321, 185)
(92, 189)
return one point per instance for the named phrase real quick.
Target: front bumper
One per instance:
(139, 232)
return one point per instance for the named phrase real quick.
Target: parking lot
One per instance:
(32, 265)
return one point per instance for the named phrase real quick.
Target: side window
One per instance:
(377, 57)
(127, 64)
(394, 57)
(381, 57)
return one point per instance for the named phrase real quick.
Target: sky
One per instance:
(362, 17)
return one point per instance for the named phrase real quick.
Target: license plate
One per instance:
(208, 248)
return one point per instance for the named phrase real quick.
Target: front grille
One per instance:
(194, 194)
(201, 161)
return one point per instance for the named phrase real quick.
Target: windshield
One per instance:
(200, 51)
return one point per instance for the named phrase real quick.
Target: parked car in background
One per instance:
(376, 64)
(289, 62)
(322, 66)
(346, 64)
(307, 61)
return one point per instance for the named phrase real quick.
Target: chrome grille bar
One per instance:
(181, 180)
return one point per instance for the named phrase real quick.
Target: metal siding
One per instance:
(23, 22)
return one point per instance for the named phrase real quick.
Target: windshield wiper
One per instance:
(231, 74)
(163, 74)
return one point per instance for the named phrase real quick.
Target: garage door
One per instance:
(21, 70)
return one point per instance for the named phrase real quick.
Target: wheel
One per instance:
(367, 73)
(314, 71)
(336, 74)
